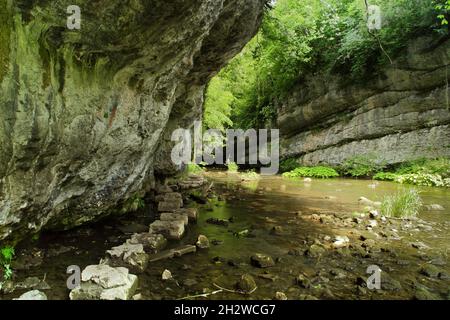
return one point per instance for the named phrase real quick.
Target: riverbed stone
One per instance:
(152, 242)
(281, 296)
(434, 207)
(172, 230)
(202, 242)
(128, 255)
(262, 261)
(33, 295)
(103, 282)
(246, 284)
(430, 271)
(172, 216)
(314, 251)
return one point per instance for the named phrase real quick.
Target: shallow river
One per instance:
(254, 208)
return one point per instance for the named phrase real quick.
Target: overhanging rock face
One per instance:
(85, 115)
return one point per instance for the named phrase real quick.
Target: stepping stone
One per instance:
(172, 253)
(102, 282)
(192, 213)
(128, 255)
(169, 206)
(172, 230)
(174, 197)
(152, 242)
(169, 216)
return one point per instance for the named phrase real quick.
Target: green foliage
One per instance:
(406, 203)
(420, 172)
(423, 179)
(232, 167)
(362, 166)
(300, 37)
(133, 204)
(193, 168)
(6, 256)
(385, 176)
(250, 175)
(312, 172)
(218, 105)
(288, 165)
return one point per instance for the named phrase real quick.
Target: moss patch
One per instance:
(5, 34)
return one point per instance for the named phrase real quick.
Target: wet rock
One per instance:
(261, 261)
(424, 294)
(168, 206)
(128, 255)
(7, 287)
(102, 282)
(216, 242)
(314, 251)
(434, 207)
(419, 245)
(390, 284)
(374, 214)
(366, 202)
(192, 213)
(166, 275)
(152, 242)
(303, 281)
(173, 230)
(137, 297)
(430, 271)
(33, 295)
(174, 197)
(171, 216)
(217, 222)
(32, 283)
(268, 276)
(281, 296)
(340, 242)
(307, 180)
(372, 224)
(246, 284)
(202, 242)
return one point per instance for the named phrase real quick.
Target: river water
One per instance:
(281, 218)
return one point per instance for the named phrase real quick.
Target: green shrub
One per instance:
(193, 168)
(405, 203)
(250, 175)
(385, 176)
(6, 256)
(423, 179)
(362, 166)
(288, 165)
(312, 172)
(232, 167)
(434, 166)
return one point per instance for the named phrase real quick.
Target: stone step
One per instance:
(131, 256)
(173, 253)
(192, 213)
(103, 282)
(172, 230)
(152, 242)
(169, 206)
(174, 216)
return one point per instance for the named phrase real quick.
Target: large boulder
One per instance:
(86, 116)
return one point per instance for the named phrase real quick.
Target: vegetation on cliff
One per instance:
(298, 38)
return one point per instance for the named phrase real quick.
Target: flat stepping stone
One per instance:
(169, 206)
(172, 230)
(128, 255)
(170, 216)
(152, 242)
(173, 253)
(103, 282)
(192, 213)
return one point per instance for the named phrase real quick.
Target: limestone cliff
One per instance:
(401, 114)
(85, 114)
